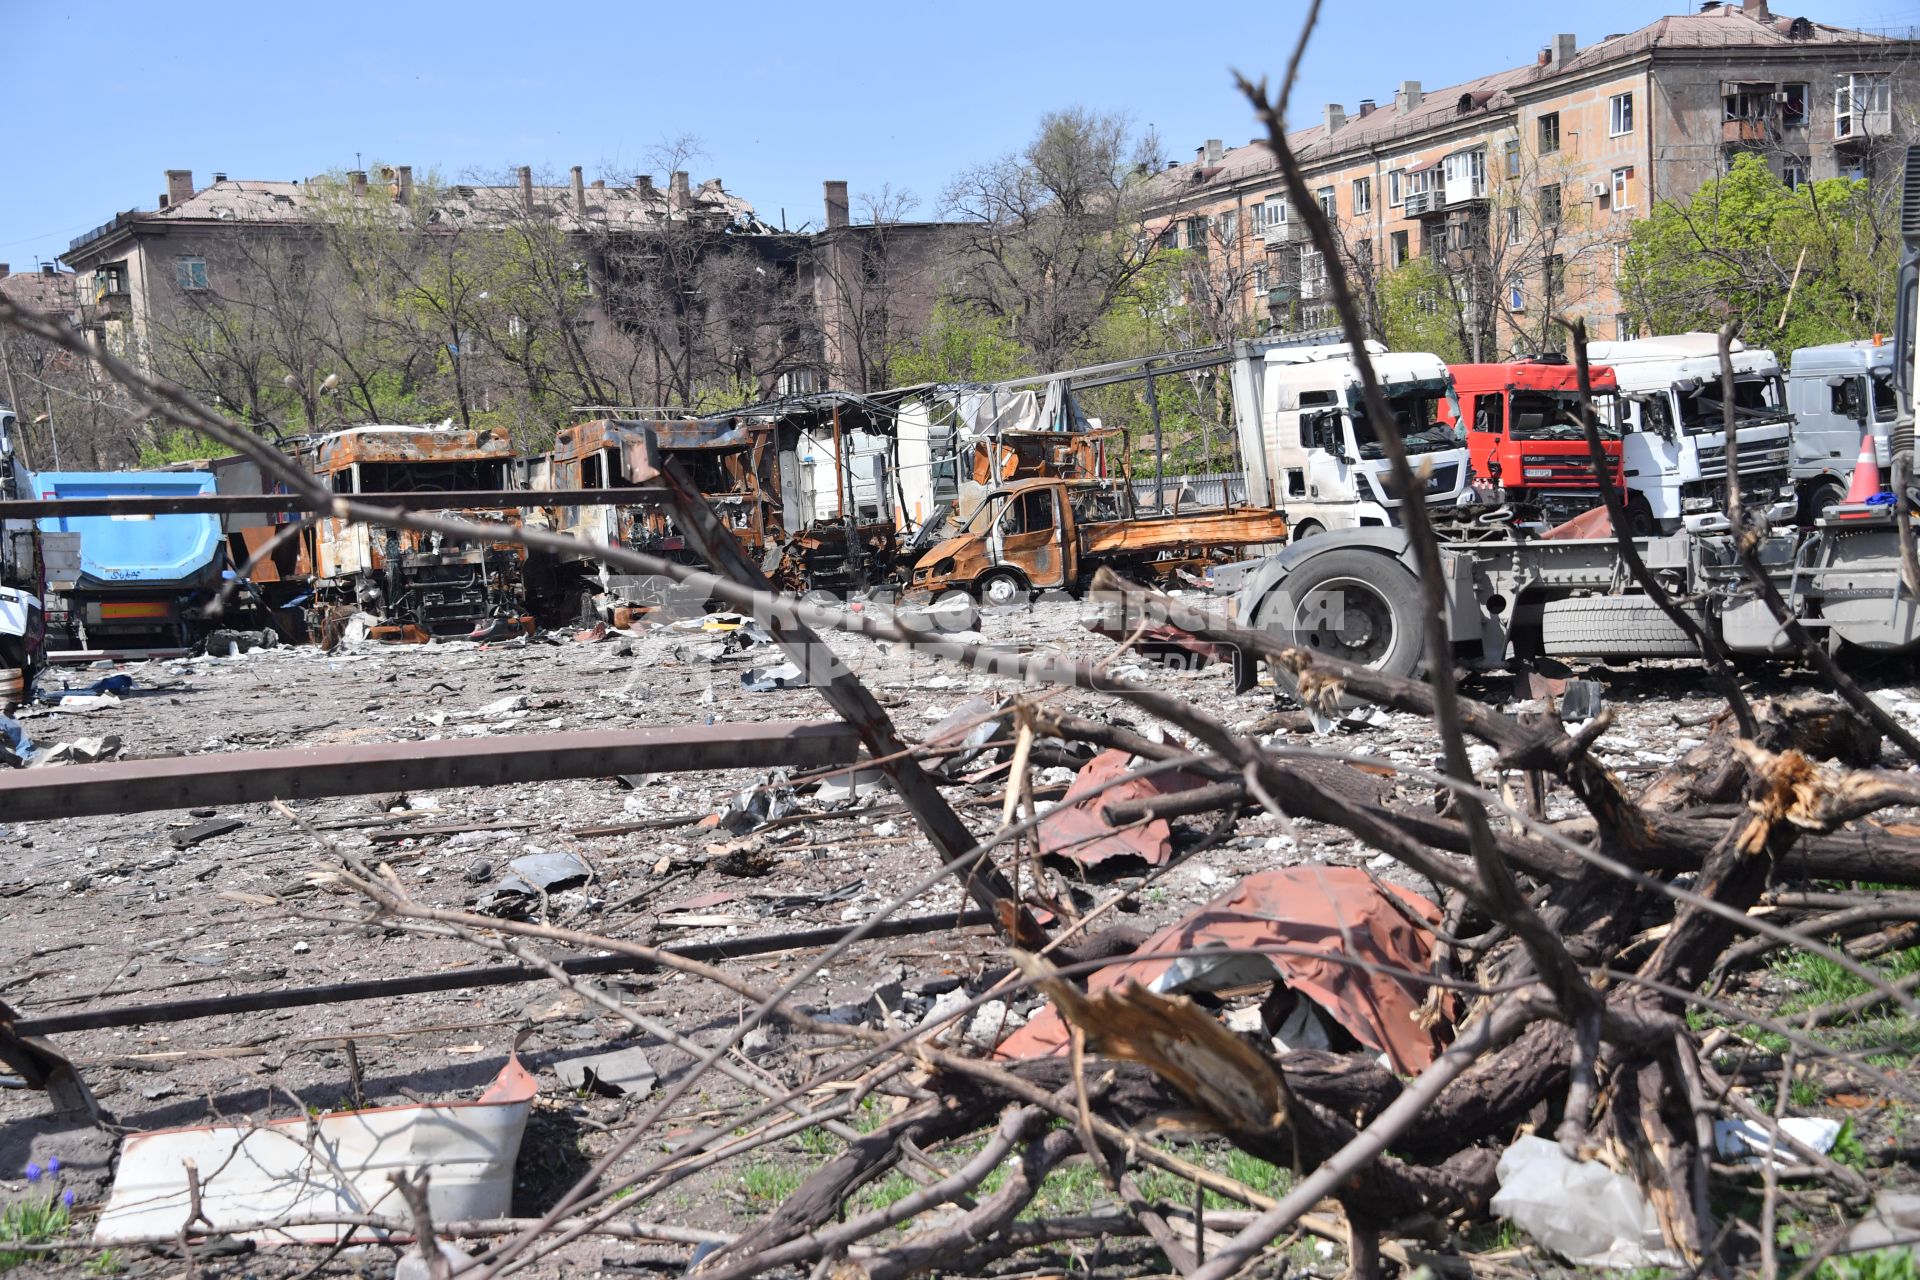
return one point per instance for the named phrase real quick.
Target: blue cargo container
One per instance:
(139, 575)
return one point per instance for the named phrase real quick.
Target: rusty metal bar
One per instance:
(244, 777)
(467, 979)
(261, 504)
(951, 839)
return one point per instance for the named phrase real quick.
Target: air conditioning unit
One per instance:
(1598, 190)
(1781, 96)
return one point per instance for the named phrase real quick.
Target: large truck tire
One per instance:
(1604, 626)
(1359, 606)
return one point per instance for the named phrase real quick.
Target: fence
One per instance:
(1215, 489)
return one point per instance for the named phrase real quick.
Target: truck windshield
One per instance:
(1416, 415)
(1756, 398)
(1555, 415)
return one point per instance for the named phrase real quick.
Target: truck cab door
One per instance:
(1329, 468)
(1032, 537)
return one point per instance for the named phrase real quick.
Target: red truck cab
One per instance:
(1524, 436)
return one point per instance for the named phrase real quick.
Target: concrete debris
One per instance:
(621, 1072)
(78, 751)
(786, 675)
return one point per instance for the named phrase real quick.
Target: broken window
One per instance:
(1229, 227)
(1362, 195)
(1862, 105)
(1549, 133)
(1619, 115)
(1197, 232)
(1170, 238)
(1328, 205)
(1399, 247)
(1030, 512)
(1747, 102)
(190, 273)
(1556, 275)
(1550, 205)
(1793, 110)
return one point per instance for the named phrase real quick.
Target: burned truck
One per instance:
(420, 586)
(732, 465)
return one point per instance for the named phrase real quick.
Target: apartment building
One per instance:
(1521, 187)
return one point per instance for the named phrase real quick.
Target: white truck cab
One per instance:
(1673, 445)
(1840, 393)
(1311, 451)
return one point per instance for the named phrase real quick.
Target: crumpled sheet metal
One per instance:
(1073, 830)
(1316, 909)
(1160, 640)
(274, 1172)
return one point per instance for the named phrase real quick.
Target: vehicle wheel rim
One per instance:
(1000, 591)
(1347, 619)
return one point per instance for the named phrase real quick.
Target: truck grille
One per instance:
(1757, 458)
(1568, 470)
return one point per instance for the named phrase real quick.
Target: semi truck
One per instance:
(1052, 533)
(1839, 393)
(1673, 447)
(1525, 440)
(142, 581)
(1310, 449)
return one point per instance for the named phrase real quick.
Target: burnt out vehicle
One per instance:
(420, 586)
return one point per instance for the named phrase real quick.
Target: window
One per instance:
(1513, 226)
(1399, 247)
(1274, 212)
(1556, 274)
(1516, 297)
(1793, 173)
(1327, 205)
(1623, 327)
(1512, 150)
(1261, 275)
(1862, 105)
(110, 281)
(1465, 175)
(190, 273)
(1363, 255)
(1362, 195)
(1229, 226)
(1747, 102)
(1170, 238)
(1196, 237)
(1396, 188)
(1793, 107)
(1619, 115)
(1549, 133)
(1622, 197)
(1550, 205)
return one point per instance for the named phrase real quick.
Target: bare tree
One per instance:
(1050, 240)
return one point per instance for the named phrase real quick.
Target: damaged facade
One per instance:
(1523, 185)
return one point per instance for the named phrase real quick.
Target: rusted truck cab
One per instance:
(420, 586)
(1053, 534)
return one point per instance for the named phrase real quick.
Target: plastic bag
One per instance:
(1579, 1209)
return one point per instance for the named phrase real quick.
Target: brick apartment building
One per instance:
(1522, 186)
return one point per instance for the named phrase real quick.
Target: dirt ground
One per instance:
(108, 911)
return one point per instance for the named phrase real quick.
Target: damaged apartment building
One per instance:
(1522, 186)
(815, 305)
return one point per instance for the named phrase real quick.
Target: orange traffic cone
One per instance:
(1866, 475)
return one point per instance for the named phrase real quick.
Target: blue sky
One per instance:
(102, 99)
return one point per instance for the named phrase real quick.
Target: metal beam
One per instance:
(140, 1015)
(261, 504)
(247, 777)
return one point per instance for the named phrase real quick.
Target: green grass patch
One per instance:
(767, 1184)
(31, 1222)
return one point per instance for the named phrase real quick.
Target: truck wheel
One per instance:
(1640, 521)
(1003, 587)
(1306, 529)
(1605, 626)
(1815, 501)
(1359, 606)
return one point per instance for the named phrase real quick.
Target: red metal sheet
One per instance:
(1073, 830)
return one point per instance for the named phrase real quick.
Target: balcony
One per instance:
(1745, 131)
(1291, 232)
(113, 304)
(1422, 203)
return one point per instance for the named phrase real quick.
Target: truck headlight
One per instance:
(1536, 473)
(1697, 504)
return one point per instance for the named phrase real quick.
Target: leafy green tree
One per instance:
(959, 344)
(1794, 268)
(1418, 310)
